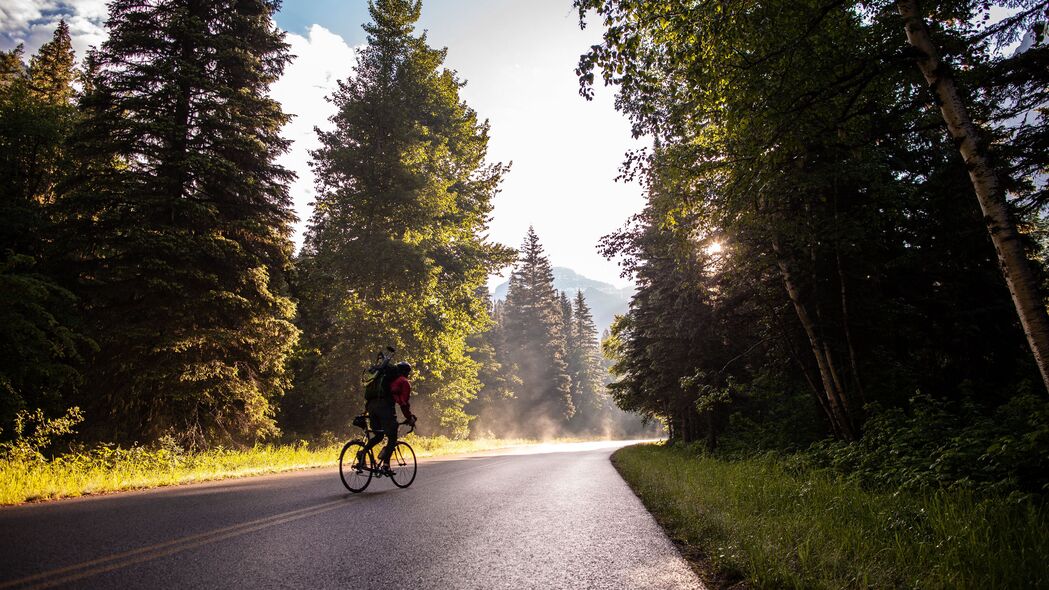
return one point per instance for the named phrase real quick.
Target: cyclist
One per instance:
(383, 415)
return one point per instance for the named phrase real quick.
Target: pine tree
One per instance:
(12, 68)
(534, 320)
(39, 346)
(179, 232)
(497, 374)
(395, 252)
(585, 366)
(51, 70)
(567, 329)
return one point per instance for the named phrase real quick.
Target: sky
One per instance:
(518, 59)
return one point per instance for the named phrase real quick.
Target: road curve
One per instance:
(556, 516)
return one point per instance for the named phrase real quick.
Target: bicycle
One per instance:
(356, 476)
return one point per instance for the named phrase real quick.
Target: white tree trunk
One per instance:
(1006, 238)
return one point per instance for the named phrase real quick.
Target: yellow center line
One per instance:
(119, 560)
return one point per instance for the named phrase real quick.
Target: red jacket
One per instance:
(401, 390)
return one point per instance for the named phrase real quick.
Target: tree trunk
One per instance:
(821, 399)
(832, 387)
(989, 191)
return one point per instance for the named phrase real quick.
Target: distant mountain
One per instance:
(605, 300)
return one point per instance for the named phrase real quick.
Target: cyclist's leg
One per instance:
(389, 426)
(376, 423)
(374, 440)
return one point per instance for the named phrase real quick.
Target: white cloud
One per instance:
(322, 58)
(32, 22)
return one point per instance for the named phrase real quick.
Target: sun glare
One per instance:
(714, 248)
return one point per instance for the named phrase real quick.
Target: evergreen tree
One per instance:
(566, 331)
(12, 67)
(498, 375)
(39, 345)
(51, 70)
(179, 231)
(585, 367)
(395, 252)
(534, 321)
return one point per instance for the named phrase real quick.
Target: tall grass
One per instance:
(108, 468)
(777, 527)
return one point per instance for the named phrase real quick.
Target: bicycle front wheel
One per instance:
(355, 466)
(402, 462)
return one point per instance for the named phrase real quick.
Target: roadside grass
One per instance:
(110, 469)
(772, 526)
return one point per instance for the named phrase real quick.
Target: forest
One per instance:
(842, 254)
(843, 250)
(152, 291)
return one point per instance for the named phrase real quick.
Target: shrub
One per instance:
(35, 433)
(949, 445)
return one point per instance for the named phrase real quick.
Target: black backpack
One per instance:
(379, 385)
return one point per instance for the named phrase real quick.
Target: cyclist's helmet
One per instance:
(404, 368)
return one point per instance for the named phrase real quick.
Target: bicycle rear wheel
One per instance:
(402, 462)
(355, 476)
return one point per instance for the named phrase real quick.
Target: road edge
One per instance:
(696, 557)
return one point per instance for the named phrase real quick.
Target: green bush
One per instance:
(954, 445)
(770, 414)
(34, 434)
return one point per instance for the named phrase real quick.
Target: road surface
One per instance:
(556, 516)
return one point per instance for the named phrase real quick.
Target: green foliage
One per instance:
(34, 434)
(38, 350)
(775, 526)
(12, 66)
(395, 252)
(51, 70)
(849, 271)
(770, 414)
(40, 344)
(177, 235)
(953, 445)
(685, 333)
(496, 372)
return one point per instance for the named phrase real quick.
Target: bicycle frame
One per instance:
(357, 461)
(368, 432)
(367, 436)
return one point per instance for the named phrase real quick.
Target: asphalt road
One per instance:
(557, 516)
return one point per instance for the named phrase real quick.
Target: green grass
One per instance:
(108, 469)
(775, 527)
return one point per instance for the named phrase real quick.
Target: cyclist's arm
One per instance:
(402, 395)
(406, 411)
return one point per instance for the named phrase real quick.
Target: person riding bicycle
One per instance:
(395, 390)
